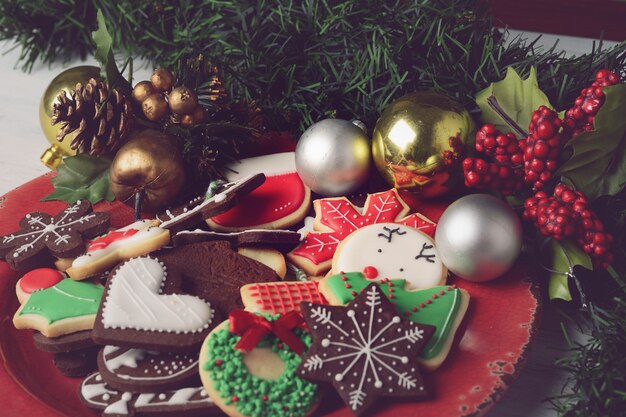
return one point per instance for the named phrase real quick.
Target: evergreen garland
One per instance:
(301, 61)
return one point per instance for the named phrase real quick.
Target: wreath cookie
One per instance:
(249, 380)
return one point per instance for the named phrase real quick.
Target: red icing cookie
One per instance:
(280, 202)
(35, 280)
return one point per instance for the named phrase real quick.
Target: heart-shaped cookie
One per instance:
(136, 313)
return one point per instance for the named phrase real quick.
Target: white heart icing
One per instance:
(134, 301)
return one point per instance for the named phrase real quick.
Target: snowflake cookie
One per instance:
(42, 236)
(366, 349)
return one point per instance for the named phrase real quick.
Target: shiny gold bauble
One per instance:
(142, 90)
(65, 81)
(162, 79)
(415, 140)
(152, 162)
(154, 107)
(183, 100)
(194, 118)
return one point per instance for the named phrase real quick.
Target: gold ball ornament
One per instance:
(162, 79)
(194, 118)
(183, 100)
(65, 81)
(418, 142)
(154, 107)
(142, 90)
(151, 165)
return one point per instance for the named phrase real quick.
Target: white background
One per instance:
(22, 143)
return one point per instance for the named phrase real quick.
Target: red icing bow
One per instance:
(253, 327)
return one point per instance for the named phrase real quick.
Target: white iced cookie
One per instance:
(391, 250)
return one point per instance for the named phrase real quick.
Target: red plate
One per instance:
(497, 331)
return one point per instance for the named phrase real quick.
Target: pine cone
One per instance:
(99, 119)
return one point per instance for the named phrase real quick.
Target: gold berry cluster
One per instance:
(157, 98)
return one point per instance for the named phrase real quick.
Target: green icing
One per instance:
(439, 313)
(64, 300)
(289, 395)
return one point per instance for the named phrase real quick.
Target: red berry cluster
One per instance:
(505, 174)
(579, 118)
(543, 147)
(566, 213)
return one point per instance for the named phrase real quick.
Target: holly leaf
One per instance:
(597, 166)
(517, 99)
(565, 256)
(82, 177)
(104, 55)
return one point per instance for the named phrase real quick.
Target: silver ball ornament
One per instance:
(479, 237)
(333, 157)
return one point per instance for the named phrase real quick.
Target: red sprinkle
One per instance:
(234, 399)
(422, 305)
(348, 286)
(285, 408)
(407, 313)
(454, 286)
(370, 272)
(435, 296)
(219, 362)
(265, 398)
(280, 345)
(428, 301)
(390, 295)
(354, 293)
(415, 309)
(344, 278)
(390, 283)
(442, 292)
(449, 288)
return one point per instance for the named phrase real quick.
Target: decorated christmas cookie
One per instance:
(280, 297)
(104, 252)
(42, 236)
(245, 378)
(221, 199)
(139, 370)
(388, 250)
(336, 218)
(35, 280)
(442, 307)
(182, 402)
(136, 312)
(366, 350)
(76, 363)
(283, 200)
(67, 343)
(66, 307)
(215, 272)
(283, 240)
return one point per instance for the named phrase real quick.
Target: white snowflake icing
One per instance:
(364, 348)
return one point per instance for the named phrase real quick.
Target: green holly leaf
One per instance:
(517, 99)
(104, 55)
(565, 256)
(82, 177)
(597, 166)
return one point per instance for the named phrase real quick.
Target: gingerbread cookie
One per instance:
(280, 297)
(337, 218)
(388, 250)
(282, 201)
(366, 350)
(66, 307)
(35, 280)
(67, 343)
(182, 402)
(215, 272)
(138, 370)
(246, 379)
(42, 236)
(137, 312)
(223, 198)
(137, 239)
(283, 240)
(442, 307)
(76, 363)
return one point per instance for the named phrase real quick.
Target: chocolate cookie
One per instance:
(215, 272)
(139, 370)
(194, 212)
(78, 363)
(143, 307)
(283, 240)
(66, 343)
(183, 402)
(42, 236)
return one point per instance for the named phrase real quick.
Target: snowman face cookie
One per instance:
(390, 250)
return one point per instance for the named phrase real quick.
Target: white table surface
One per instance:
(22, 143)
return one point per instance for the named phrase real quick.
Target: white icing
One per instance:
(270, 165)
(118, 407)
(143, 400)
(219, 234)
(393, 259)
(130, 359)
(146, 231)
(182, 396)
(217, 198)
(134, 301)
(308, 227)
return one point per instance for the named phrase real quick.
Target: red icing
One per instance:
(283, 297)
(278, 197)
(370, 272)
(340, 216)
(38, 279)
(106, 240)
